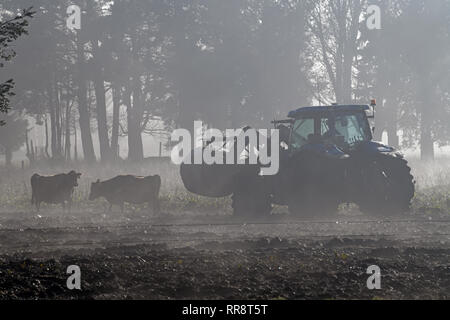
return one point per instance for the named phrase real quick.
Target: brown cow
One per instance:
(130, 189)
(54, 189)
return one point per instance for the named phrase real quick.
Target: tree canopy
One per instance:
(10, 30)
(146, 67)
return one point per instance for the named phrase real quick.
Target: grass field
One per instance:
(432, 188)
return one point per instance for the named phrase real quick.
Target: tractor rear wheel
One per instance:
(387, 187)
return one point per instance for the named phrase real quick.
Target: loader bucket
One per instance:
(215, 180)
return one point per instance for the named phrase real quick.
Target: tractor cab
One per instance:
(343, 126)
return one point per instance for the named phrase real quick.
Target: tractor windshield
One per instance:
(346, 129)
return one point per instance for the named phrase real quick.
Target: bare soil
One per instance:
(197, 256)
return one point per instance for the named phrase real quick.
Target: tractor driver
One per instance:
(334, 132)
(331, 129)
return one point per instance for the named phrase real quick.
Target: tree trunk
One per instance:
(58, 125)
(8, 157)
(33, 153)
(115, 124)
(392, 128)
(426, 140)
(46, 139)
(393, 139)
(29, 148)
(101, 119)
(75, 144)
(67, 135)
(426, 121)
(340, 15)
(347, 76)
(135, 148)
(102, 124)
(85, 126)
(52, 112)
(350, 49)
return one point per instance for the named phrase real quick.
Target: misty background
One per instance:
(136, 70)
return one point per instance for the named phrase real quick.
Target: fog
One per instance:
(92, 90)
(227, 63)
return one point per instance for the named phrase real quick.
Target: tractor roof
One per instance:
(307, 111)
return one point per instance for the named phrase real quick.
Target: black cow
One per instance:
(130, 189)
(54, 189)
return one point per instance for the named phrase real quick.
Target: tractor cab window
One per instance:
(301, 131)
(348, 129)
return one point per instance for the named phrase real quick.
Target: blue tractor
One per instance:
(327, 157)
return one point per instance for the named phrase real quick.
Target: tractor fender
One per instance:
(372, 148)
